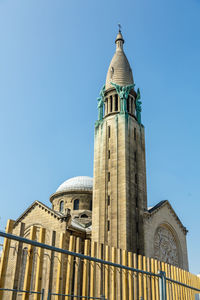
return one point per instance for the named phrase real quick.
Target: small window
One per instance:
(131, 105)
(111, 104)
(127, 104)
(76, 204)
(136, 179)
(108, 154)
(137, 227)
(135, 156)
(106, 106)
(108, 225)
(108, 199)
(23, 268)
(34, 260)
(116, 102)
(61, 208)
(108, 131)
(136, 201)
(84, 216)
(91, 205)
(135, 134)
(108, 176)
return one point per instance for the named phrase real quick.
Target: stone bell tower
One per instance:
(119, 192)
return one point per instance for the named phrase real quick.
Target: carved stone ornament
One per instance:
(165, 246)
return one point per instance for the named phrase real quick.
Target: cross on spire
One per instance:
(119, 25)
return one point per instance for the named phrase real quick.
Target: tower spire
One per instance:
(119, 70)
(119, 39)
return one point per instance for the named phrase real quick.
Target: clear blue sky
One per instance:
(54, 57)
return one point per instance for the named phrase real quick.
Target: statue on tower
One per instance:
(123, 92)
(101, 103)
(138, 107)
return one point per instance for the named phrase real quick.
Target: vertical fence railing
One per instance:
(163, 294)
(122, 278)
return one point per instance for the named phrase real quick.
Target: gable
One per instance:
(40, 214)
(164, 211)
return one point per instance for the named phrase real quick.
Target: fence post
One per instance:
(49, 295)
(162, 279)
(42, 294)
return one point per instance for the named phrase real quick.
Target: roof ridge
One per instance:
(36, 202)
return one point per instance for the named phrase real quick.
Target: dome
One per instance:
(79, 183)
(119, 71)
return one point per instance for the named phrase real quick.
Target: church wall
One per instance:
(165, 216)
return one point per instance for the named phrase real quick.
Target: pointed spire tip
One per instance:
(119, 35)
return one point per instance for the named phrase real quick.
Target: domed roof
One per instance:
(79, 183)
(119, 71)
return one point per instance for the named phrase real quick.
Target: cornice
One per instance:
(59, 194)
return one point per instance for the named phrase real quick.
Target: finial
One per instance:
(119, 25)
(119, 39)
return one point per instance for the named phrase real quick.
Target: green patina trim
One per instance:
(101, 103)
(98, 128)
(123, 92)
(138, 106)
(98, 123)
(124, 114)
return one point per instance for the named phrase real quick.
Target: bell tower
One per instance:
(119, 192)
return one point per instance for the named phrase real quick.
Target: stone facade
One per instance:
(119, 193)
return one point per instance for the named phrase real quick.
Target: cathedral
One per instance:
(111, 208)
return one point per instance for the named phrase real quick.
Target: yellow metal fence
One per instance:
(46, 267)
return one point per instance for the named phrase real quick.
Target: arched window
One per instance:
(33, 273)
(127, 104)
(23, 268)
(111, 103)
(136, 179)
(61, 209)
(116, 102)
(76, 204)
(131, 99)
(106, 106)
